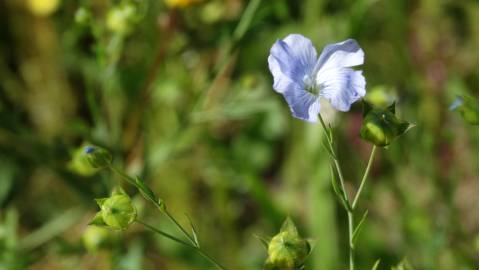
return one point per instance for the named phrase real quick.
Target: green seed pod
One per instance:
(468, 107)
(381, 126)
(117, 212)
(97, 157)
(287, 250)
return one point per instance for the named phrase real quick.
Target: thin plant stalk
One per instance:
(365, 176)
(148, 194)
(171, 237)
(343, 196)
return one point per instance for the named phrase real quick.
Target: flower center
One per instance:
(310, 84)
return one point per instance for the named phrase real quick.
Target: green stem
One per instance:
(351, 244)
(347, 205)
(167, 235)
(196, 248)
(335, 160)
(365, 176)
(157, 204)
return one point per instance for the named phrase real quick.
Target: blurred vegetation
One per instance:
(180, 92)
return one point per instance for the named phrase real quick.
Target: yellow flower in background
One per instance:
(181, 3)
(43, 7)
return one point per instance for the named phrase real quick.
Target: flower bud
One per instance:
(94, 238)
(97, 157)
(120, 19)
(468, 107)
(117, 211)
(287, 250)
(82, 16)
(79, 164)
(381, 126)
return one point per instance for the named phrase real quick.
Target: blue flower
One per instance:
(303, 78)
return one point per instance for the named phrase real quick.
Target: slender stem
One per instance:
(365, 176)
(167, 235)
(335, 160)
(196, 248)
(348, 207)
(154, 201)
(351, 244)
(178, 225)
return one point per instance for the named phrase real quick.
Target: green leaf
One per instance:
(376, 265)
(338, 190)
(144, 189)
(359, 227)
(193, 230)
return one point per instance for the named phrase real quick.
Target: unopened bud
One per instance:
(117, 212)
(381, 126)
(97, 157)
(287, 250)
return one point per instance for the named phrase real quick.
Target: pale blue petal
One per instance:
(303, 104)
(341, 86)
(290, 60)
(342, 54)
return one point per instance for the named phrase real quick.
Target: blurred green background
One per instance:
(181, 94)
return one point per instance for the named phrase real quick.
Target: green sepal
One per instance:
(263, 241)
(367, 107)
(392, 108)
(289, 227)
(97, 220)
(118, 191)
(100, 201)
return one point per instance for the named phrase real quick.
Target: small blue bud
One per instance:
(97, 157)
(89, 149)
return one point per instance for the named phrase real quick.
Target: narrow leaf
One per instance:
(359, 227)
(144, 189)
(376, 265)
(193, 230)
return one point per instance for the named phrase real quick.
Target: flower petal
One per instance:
(303, 105)
(342, 54)
(341, 86)
(290, 60)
